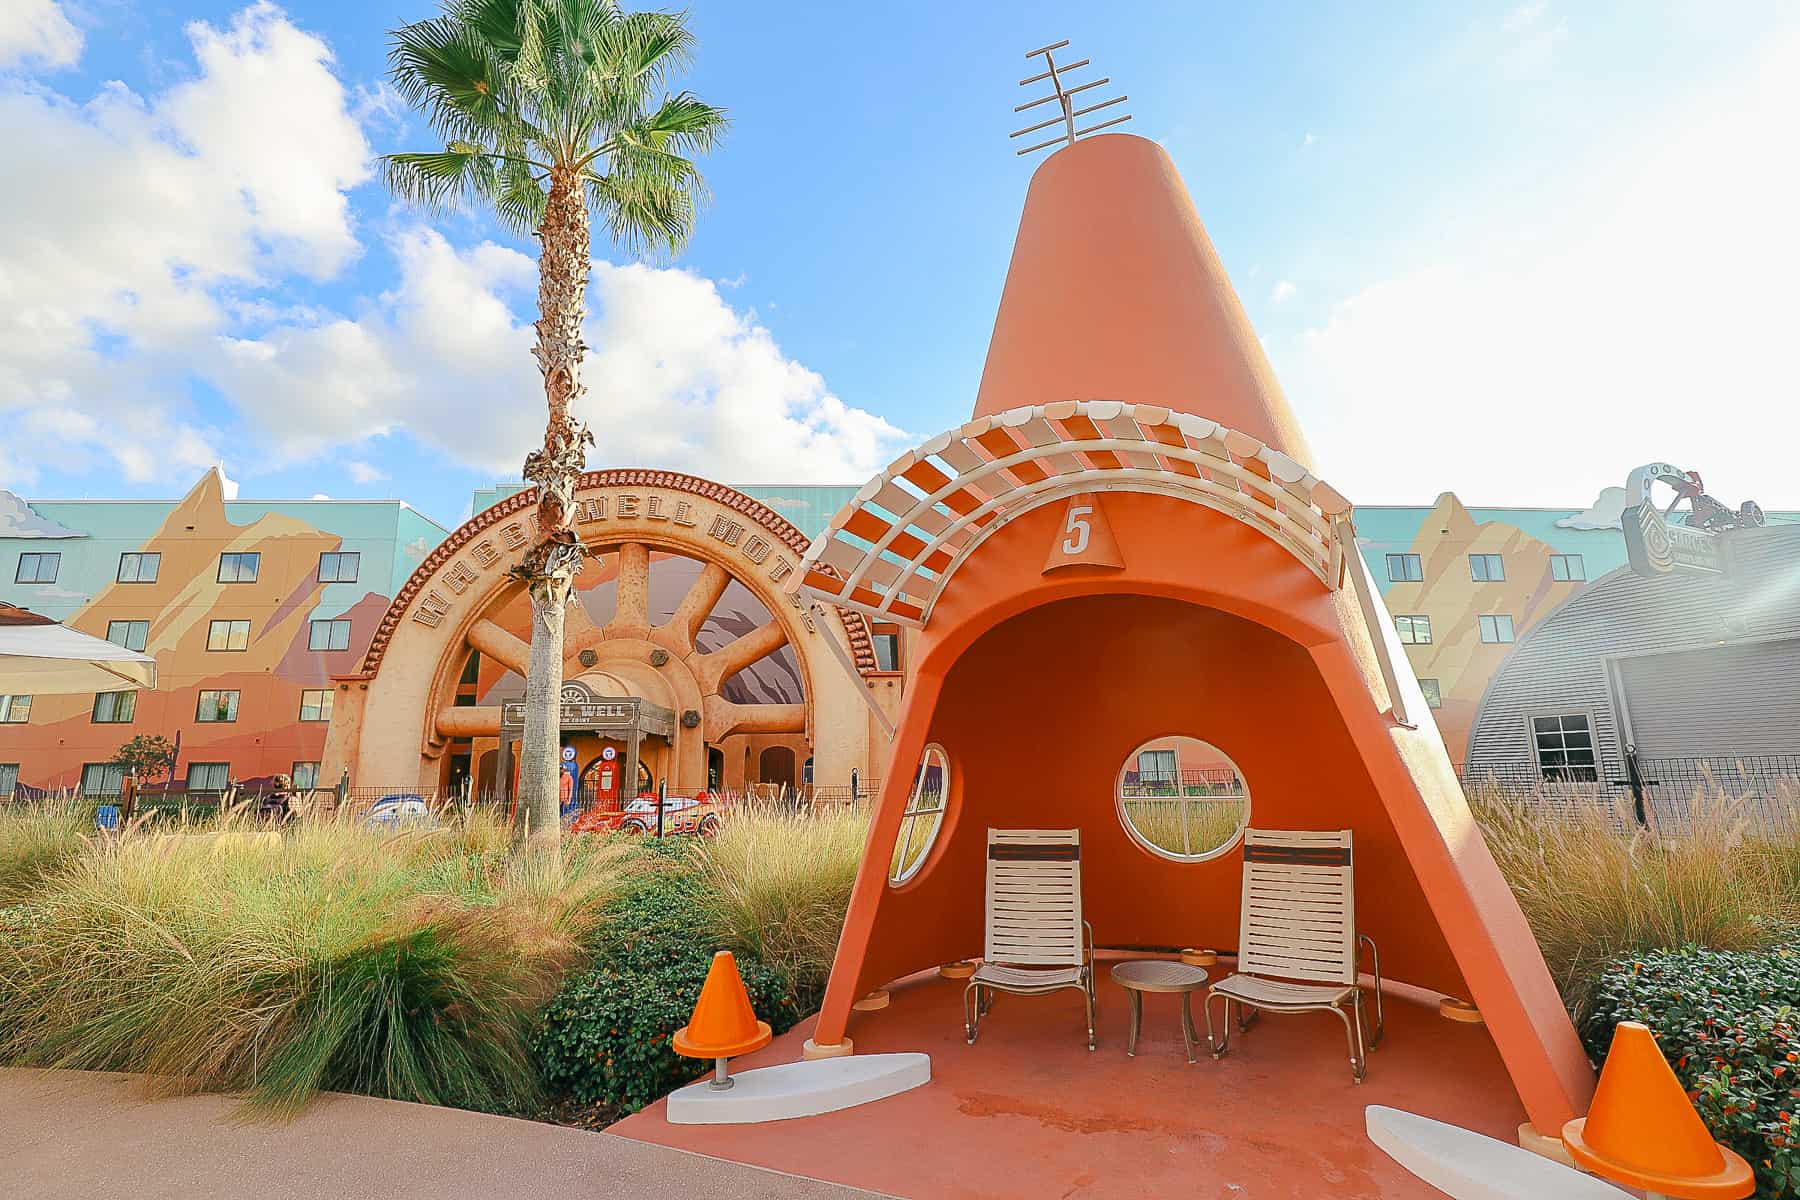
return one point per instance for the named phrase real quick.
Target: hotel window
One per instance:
(339, 567)
(15, 710)
(886, 640)
(1434, 695)
(1566, 568)
(239, 568)
(130, 634)
(1405, 568)
(216, 707)
(208, 776)
(1565, 748)
(139, 568)
(1414, 630)
(1496, 628)
(114, 708)
(305, 775)
(102, 779)
(329, 635)
(315, 705)
(228, 635)
(37, 568)
(9, 779)
(1487, 568)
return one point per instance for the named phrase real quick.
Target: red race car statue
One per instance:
(701, 813)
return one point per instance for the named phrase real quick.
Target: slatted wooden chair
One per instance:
(1298, 948)
(1037, 942)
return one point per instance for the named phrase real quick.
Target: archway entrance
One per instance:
(776, 768)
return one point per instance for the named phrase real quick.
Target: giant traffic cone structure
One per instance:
(1643, 1131)
(723, 1025)
(1229, 602)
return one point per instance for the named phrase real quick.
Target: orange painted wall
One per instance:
(1104, 672)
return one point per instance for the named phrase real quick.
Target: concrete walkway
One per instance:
(67, 1134)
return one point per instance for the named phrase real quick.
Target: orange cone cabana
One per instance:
(1129, 541)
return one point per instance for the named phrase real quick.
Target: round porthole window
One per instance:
(924, 815)
(1183, 799)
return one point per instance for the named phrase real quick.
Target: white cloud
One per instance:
(362, 472)
(18, 519)
(119, 264)
(676, 377)
(37, 33)
(1606, 512)
(1307, 140)
(1282, 292)
(1650, 318)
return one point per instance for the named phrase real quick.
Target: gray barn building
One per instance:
(1700, 673)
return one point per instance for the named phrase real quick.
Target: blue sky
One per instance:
(1511, 250)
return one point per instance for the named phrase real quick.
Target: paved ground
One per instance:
(94, 1137)
(1029, 1112)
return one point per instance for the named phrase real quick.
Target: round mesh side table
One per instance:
(1160, 975)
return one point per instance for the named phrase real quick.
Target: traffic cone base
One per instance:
(1642, 1130)
(723, 1025)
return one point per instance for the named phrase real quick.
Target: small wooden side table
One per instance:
(1160, 975)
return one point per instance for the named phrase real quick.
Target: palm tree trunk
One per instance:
(549, 566)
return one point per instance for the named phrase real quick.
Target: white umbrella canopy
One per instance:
(39, 657)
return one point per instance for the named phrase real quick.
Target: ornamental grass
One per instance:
(37, 839)
(406, 964)
(1596, 888)
(775, 884)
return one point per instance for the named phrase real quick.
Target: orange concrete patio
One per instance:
(1028, 1111)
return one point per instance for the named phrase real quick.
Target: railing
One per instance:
(1763, 789)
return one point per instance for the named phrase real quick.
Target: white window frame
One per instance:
(12, 712)
(1408, 562)
(1180, 797)
(321, 707)
(917, 807)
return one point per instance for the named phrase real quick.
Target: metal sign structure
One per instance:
(1064, 98)
(1656, 546)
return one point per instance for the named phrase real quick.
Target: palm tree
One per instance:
(553, 111)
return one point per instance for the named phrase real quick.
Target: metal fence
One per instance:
(1761, 789)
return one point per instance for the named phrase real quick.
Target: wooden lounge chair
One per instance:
(1297, 940)
(1037, 942)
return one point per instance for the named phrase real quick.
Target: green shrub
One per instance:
(604, 1038)
(1727, 1022)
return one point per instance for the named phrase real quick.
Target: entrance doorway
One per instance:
(776, 767)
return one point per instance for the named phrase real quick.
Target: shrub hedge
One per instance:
(604, 1039)
(1729, 1023)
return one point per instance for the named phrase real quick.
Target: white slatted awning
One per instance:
(892, 550)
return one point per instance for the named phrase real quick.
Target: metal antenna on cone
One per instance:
(1065, 99)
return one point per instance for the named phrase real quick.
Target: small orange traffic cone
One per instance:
(723, 1025)
(1642, 1130)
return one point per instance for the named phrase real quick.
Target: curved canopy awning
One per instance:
(891, 551)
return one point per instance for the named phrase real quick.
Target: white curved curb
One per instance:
(799, 1089)
(1468, 1166)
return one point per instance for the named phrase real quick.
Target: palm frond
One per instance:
(440, 181)
(643, 214)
